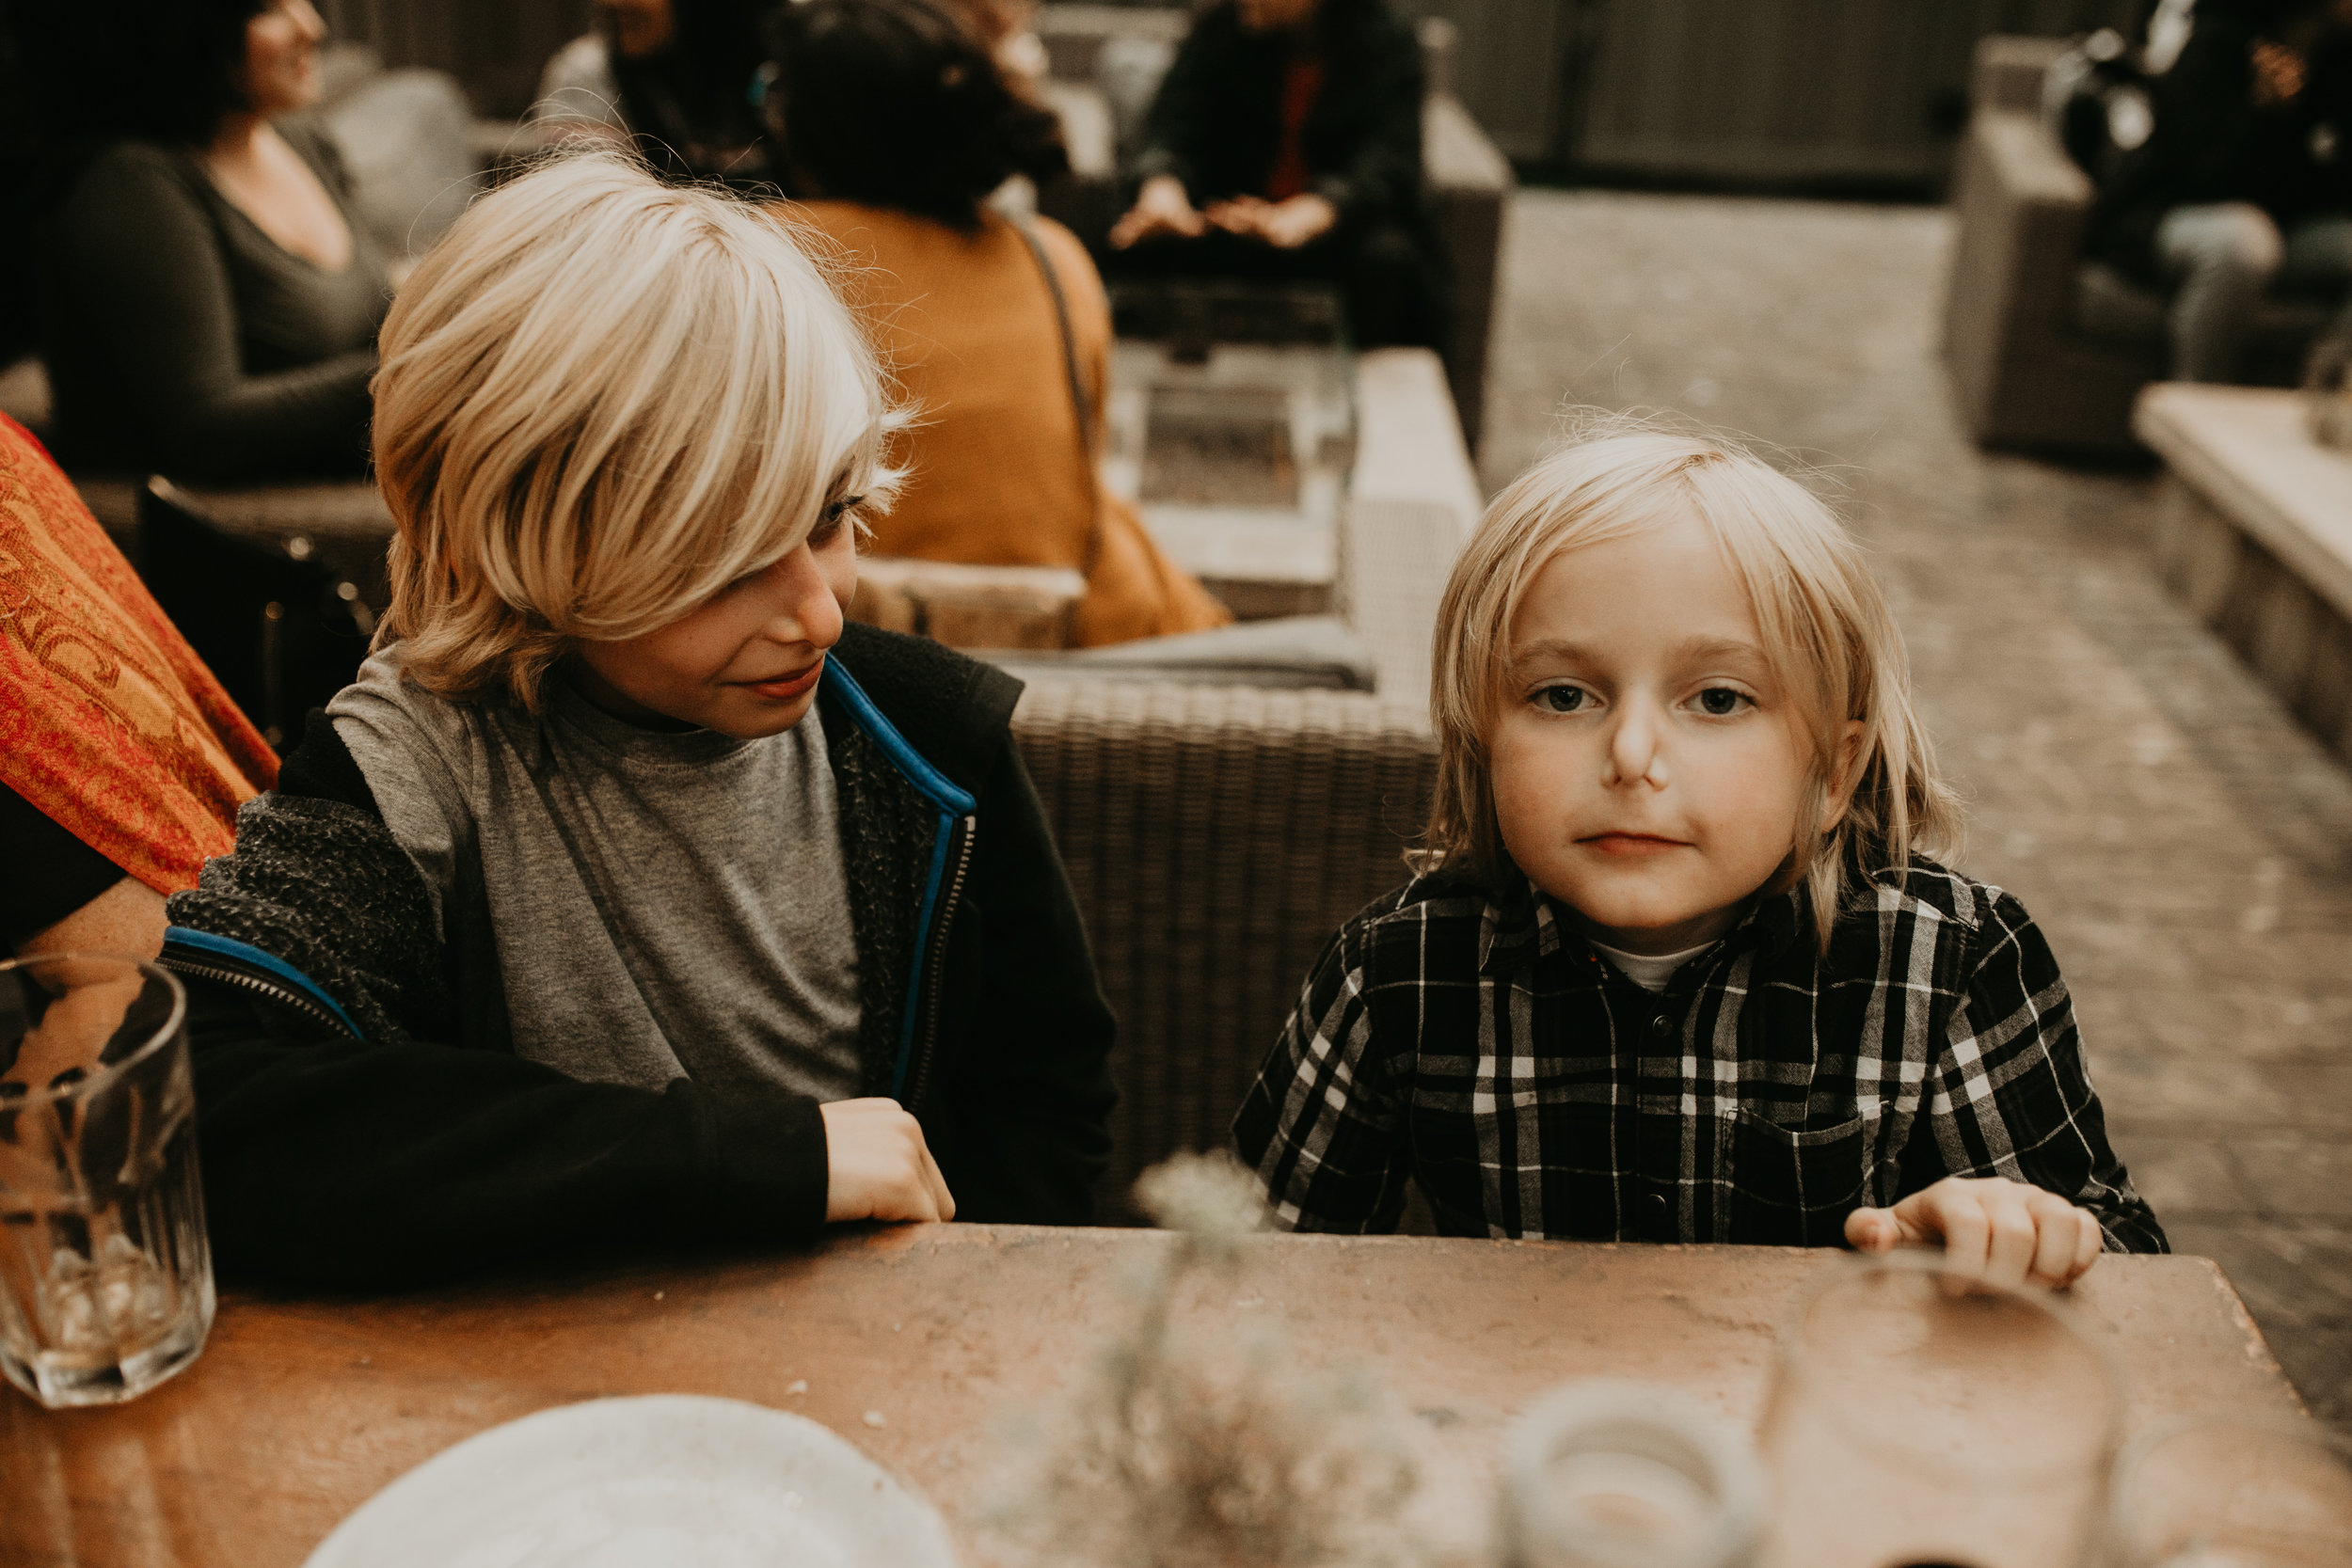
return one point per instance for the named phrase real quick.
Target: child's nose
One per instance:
(1633, 747)
(805, 609)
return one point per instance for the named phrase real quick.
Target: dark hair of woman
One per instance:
(893, 103)
(165, 70)
(690, 102)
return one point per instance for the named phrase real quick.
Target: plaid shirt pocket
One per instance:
(1795, 1186)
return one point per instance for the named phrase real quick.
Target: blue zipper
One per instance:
(953, 803)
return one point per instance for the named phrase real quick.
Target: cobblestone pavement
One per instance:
(2187, 846)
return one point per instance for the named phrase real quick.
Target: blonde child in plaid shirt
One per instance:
(1678, 965)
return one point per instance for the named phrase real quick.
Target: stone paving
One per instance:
(2187, 846)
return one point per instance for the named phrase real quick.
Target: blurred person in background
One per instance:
(1285, 144)
(122, 761)
(894, 124)
(2245, 182)
(680, 78)
(1007, 30)
(209, 296)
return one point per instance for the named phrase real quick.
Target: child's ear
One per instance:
(1839, 794)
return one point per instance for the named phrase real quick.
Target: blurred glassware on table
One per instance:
(2233, 1491)
(1605, 1474)
(1920, 1415)
(106, 1274)
(2328, 392)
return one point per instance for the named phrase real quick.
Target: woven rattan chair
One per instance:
(1217, 835)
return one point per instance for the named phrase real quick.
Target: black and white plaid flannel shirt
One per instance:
(1481, 1048)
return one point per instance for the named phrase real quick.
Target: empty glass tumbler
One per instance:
(2233, 1491)
(1921, 1417)
(105, 1277)
(1606, 1474)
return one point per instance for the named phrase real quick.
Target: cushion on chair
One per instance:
(2107, 304)
(1295, 652)
(408, 136)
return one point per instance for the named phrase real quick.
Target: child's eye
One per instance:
(1563, 699)
(1722, 702)
(831, 521)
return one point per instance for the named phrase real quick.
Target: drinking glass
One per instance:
(2233, 1491)
(106, 1277)
(1606, 1474)
(1923, 1416)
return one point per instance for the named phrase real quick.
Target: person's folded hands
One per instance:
(1240, 214)
(1296, 220)
(2003, 1231)
(878, 1167)
(1162, 207)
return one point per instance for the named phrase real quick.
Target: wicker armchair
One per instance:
(1217, 835)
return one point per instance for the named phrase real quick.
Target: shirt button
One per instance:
(1661, 1027)
(1660, 1216)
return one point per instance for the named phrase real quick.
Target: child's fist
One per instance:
(2003, 1231)
(877, 1166)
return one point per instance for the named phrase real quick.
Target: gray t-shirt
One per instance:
(624, 905)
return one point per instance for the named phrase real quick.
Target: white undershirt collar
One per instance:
(1649, 973)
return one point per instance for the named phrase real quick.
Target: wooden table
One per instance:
(2254, 534)
(300, 1410)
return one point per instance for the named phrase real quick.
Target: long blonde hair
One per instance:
(1825, 627)
(602, 400)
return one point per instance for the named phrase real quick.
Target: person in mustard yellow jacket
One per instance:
(895, 126)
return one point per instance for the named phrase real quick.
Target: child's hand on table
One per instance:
(878, 1167)
(2004, 1230)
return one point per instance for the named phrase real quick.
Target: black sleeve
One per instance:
(144, 287)
(50, 872)
(2203, 110)
(2008, 1093)
(1033, 1101)
(328, 1162)
(1170, 141)
(1381, 176)
(401, 1159)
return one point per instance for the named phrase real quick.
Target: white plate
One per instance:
(670, 1479)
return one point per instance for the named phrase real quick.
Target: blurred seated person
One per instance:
(210, 295)
(1007, 30)
(895, 126)
(680, 78)
(1285, 144)
(122, 761)
(2245, 180)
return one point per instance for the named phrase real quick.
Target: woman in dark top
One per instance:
(1285, 143)
(210, 298)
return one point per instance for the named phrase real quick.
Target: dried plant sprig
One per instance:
(1196, 1450)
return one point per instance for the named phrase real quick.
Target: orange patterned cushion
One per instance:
(109, 724)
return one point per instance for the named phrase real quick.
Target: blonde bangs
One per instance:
(601, 400)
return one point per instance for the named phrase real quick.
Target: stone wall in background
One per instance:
(1865, 93)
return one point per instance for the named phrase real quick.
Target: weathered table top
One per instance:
(2249, 451)
(299, 1410)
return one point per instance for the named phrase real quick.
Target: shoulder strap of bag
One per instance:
(1080, 403)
